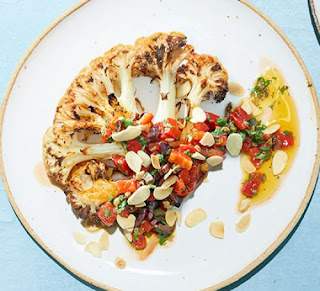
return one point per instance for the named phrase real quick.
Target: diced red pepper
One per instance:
(251, 186)
(121, 164)
(180, 159)
(146, 118)
(145, 227)
(184, 175)
(154, 147)
(169, 129)
(126, 186)
(139, 243)
(201, 126)
(186, 147)
(211, 120)
(286, 139)
(134, 145)
(105, 137)
(196, 137)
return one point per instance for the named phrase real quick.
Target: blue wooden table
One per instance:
(25, 266)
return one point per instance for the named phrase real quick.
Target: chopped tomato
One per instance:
(196, 137)
(145, 227)
(194, 171)
(180, 159)
(121, 164)
(154, 147)
(107, 213)
(239, 117)
(134, 145)
(146, 118)
(208, 152)
(125, 212)
(221, 140)
(105, 137)
(286, 139)
(139, 243)
(169, 129)
(184, 175)
(127, 186)
(180, 187)
(251, 186)
(201, 126)
(186, 147)
(211, 120)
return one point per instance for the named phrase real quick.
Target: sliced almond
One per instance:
(146, 161)
(279, 162)
(151, 245)
(120, 263)
(183, 89)
(155, 162)
(104, 240)
(166, 204)
(267, 114)
(171, 217)
(94, 249)
(139, 196)
(116, 201)
(214, 160)
(126, 223)
(243, 222)
(256, 111)
(143, 204)
(216, 229)
(129, 133)
(247, 164)
(166, 176)
(134, 161)
(140, 175)
(179, 216)
(234, 144)
(198, 148)
(246, 106)
(128, 235)
(195, 217)
(271, 129)
(198, 156)
(244, 204)
(80, 237)
(198, 115)
(161, 193)
(236, 89)
(207, 139)
(169, 182)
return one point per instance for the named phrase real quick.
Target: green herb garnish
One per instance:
(221, 122)
(126, 122)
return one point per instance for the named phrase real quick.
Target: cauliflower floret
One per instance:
(207, 76)
(159, 56)
(62, 151)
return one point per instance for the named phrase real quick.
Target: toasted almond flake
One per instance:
(143, 204)
(140, 175)
(279, 162)
(216, 229)
(207, 139)
(94, 249)
(146, 161)
(134, 161)
(243, 223)
(246, 106)
(179, 216)
(256, 111)
(139, 196)
(247, 164)
(116, 201)
(183, 89)
(195, 217)
(104, 240)
(236, 89)
(206, 180)
(166, 204)
(92, 226)
(80, 237)
(161, 193)
(171, 217)
(198, 156)
(266, 117)
(244, 204)
(166, 176)
(176, 168)
(126, 223)
(155, 162)
(198, 148)
(169, 182)
(129, 133)
(234, 144)
(151, 245)
(120, 263)
(214, 160)
(128, 235)
(198, 115)
(271, 129)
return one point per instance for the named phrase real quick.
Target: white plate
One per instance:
(246, 42)
(315, 10)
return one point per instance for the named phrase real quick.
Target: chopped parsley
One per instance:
(221, 122)
(126, 122)
(283, 88)
(124, 144)
(187, 118)
(136, 233)
(188, 153)
(143, 141)
(122, 206)
(107, 212)
(161, 158)
(260, 90)
(288, 133)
